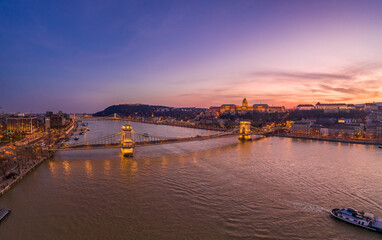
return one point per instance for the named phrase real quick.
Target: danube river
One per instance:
(274, 188)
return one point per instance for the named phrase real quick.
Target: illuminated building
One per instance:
(22, 124)
(232, 108)
(374, 131)
(228, 108)
(213, 112)
(305, 107)
(260, 107)
(301, 127)
(276, 109)
(332, 107)
(370, 107)
(47, 123)
(244, 107)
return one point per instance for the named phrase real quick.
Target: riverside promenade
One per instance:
(332, 139)
(16, 164)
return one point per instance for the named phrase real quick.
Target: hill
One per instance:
(142, 110)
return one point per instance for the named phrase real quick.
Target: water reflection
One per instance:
(147, 161)
(195, 157)
(66, 167)
(244, 147)
(88, 169)
(128, 165)
(164, 162)
(52, 168)
(107, 167)
(134, 167)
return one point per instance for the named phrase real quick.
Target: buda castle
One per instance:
(232, 108)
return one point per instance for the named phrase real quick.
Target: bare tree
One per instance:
(5, 165)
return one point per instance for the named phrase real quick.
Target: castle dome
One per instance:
(245, 102)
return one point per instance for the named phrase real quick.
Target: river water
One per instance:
(273, 188)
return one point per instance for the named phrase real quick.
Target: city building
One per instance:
(22, 124)
(276, 109)
(332, 107)
(371, 107)
(227, 108)
(260, 107)
(301, 127)
(346, 130)
(212, 112)
(47, 123)
(232, 108)
(305, 107)
(58, 120)
(374, 131)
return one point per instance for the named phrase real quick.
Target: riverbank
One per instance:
(31, 160)
(330, 139)
(7, 184)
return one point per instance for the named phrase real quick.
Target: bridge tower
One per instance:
(127, 147)
(245, 130)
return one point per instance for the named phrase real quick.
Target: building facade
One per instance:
(300, 127)
(22, 124)
(232, 108)
(334, 107)
(304, 107)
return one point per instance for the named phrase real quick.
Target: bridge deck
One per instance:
(114, 140)
(144, 143)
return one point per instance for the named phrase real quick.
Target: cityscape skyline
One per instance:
(83, 57)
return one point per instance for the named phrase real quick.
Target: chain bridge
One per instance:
(127, 139)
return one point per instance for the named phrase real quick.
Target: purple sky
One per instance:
(82, 56)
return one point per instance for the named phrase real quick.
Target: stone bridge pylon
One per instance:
(245, 131)
(127, 148)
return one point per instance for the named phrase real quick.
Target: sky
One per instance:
(83, 56)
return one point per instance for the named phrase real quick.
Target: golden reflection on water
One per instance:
(52, 168)
(134, 167)
(195, 158)
(66, 167)
(88, 168)
(147, 162)
(164, 162)
(124, 163)
(244, 147)
(128, 165)
(107, 167)
(182, 160)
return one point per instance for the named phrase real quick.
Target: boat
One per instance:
(360, 218)
(76, 138)
(4, 213)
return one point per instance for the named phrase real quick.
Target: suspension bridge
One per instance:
(127, 139)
